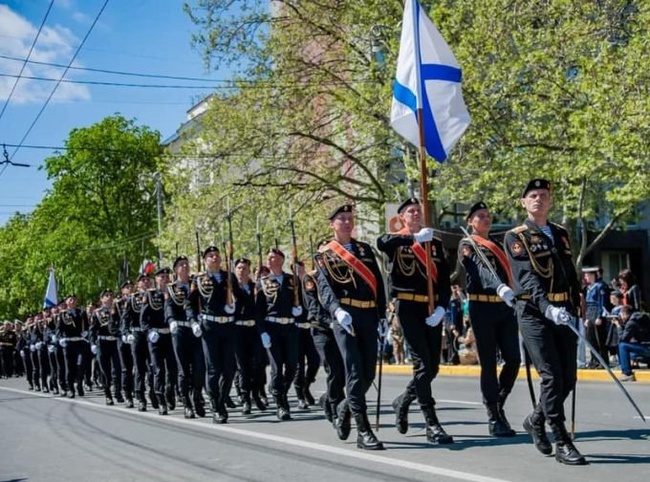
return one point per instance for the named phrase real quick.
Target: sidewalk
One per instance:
(642, 375)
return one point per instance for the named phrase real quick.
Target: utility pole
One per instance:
(159, 206)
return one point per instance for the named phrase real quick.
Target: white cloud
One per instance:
(56, 44)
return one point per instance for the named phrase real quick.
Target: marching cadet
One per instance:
(7, 347)
(57, 371)
(308, 358)
(124, 345)
(325, 344)
(153, 323)
(22, 346)
(422, 328)
(490, 309)
(104, 332)
(137, 338)
(186, 340)
(39, 340)
(275, 315)
(72, 323)
(548, 293)
(249, 352)
(352, 290)
(32, 340)
(212, 303)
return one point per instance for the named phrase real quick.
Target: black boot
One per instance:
(309, 398)
(259, 403)
(119, 397)
(162, 404)
(142, 402)
(565, 452)
(170, 397)
(129, 401)
(154, 399)
(324, 403)
(435, 433)
(219, 412)
(282, 409)
(199, 406)
(500, 404)
(534, 425)
(302, 403)
(496, 425)
(246, 403)
(188, 411)
(343, 423)
(109, 397)
(229, 402)
(401, 406)
(366, 439)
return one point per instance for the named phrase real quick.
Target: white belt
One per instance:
(107, 338)
(281, 321)
(162, 331)
(245, 322)
(218, 319)
(73, 338)
(136, 329)
(187, 324)
(304, 326)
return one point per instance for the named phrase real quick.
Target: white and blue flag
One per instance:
(51, 298)
(428, 78)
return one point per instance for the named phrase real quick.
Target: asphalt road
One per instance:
(47, 438)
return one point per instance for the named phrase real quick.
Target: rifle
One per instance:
(198, 252)
(228, 252)
(311, 251)
(258, 235)
(294, 261)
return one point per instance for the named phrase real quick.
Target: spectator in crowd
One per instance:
(631, 291)
(616, 301)
(467, 353)
(635, 339)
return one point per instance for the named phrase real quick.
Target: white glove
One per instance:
(39, 344)
(153, 336)
(51, 348)
(424, 235)
(296, 311)
(229, 309)
(63, 342)
(22, 353)
(93, 349)
(437, 316)
(266, 340)
(382, 328)
(130, 339)
(84, 334)
(32, 347)
(173, 326)
(196, 329)
(124, 339)
(559, 316)
(54, 338)
(344, 319)
(506, 294)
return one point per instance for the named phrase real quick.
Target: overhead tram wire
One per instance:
(25, 62)
(47, 101)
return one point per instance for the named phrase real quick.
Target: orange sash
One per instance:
(498, 252)
(355, 263)
(421, 255)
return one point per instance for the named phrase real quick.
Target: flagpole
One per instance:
(424, 190)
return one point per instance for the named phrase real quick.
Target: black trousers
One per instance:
(359, 355)
(74, 354)
(283, 356)
(109, 364)
(250, 357)
(190, 362)
(126, 362)
(44, 365)
(495, 328)
(36, 364)
(425, 345)
(165, 372)
(142, 362)
(7, 361)
(553, 352)
(54, 366)
(27, 363)
(219, 351)
(328, 350)
(308, 360)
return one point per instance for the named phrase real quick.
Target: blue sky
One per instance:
(143, 36)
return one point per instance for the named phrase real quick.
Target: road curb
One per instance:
(642, 376)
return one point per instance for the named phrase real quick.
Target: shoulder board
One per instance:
(519, 229)
(559, 227)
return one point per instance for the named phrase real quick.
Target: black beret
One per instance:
(126, 283)
(276, 251)
(536, 184)
(71, 295)
(345, 208)
(210, 249)
(142, 276)
(178, 260)
(476, 207)
(106, 292)
(162, 271)
(409, 202)
(243, 260)
(617, 293)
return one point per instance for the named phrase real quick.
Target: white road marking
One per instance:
(359, 455)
